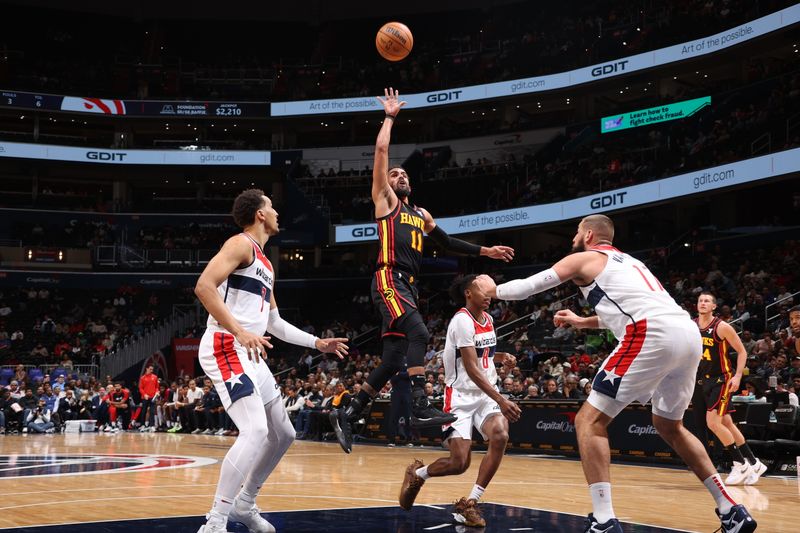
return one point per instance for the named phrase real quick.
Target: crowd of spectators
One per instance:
(171, 59)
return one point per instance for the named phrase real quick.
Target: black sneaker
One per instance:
(424, 415)
(612, 526)
(737, 520)
(342, 422)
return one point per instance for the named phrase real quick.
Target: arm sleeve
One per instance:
(452, 244)
(289, 333)
(520, 289)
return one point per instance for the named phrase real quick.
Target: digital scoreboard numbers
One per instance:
(30, 100)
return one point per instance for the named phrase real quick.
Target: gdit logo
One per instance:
(447, 96)
(609, 68)
(106, 156)
(608, 200)
(364, 231)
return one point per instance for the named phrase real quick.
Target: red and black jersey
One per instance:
(119, 396)
(401, 235)
(715, 361)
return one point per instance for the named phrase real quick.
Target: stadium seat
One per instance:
(58, 372)
(6, 374)
(755, 420)
(786, 425)
(35, 375)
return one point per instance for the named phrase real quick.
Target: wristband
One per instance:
(387, 115)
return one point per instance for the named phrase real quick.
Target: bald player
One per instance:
(656, 358)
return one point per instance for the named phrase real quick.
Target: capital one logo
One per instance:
(607, 200)
(106, 156)
(609, 68)
(364, 231)
(565, 426)
(447, 96)
(633, 429)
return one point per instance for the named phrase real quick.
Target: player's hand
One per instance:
(510, 410)
(733, 384)
(254, 344)
(391, 102)
(333, 345)
(504, 253)
(487, 285)
(565, 316)
(509, 361)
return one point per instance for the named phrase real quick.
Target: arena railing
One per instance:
(787, 300)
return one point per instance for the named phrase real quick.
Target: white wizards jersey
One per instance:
(247, 293)
(626, 293)
(465, 331)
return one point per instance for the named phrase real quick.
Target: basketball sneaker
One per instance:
(342, 422)
(737, 520)
(467, 512)
(250, 515)
(424, 415)
(756, 471)
(411, 485)
(739, 473)
(611, 526)
(215, 523)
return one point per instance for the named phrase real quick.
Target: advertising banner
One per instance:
(653, 115)
(699, 181)
(133, 108)
(670, 54)
(135, 157)
(549, 427)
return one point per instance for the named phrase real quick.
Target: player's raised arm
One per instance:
(236, 251)
(382, 195)
(451, 244)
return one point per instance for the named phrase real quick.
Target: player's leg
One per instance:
(756, 467)
(279, 439)
(249, 416)
(670, 400)
(591, 427)
(495, 430)
(417, 473)
(718, 398)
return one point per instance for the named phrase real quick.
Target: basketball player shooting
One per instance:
(657, 357)
(236, 288)
(401, 227)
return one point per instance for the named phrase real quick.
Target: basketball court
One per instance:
(135, 482)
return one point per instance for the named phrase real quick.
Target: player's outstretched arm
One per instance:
(565, 316)
(236, 251)
(451, 244)
(469, 356)
(293, 335)
(382, 194)
(727, 333)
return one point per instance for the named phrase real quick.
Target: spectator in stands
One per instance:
(38, 419)
(765, 345)
(39, 354)
(85, 407)
(20, 375)
(292, 402)
(533, 393)
(748, 342)
(194, 396)
(570, 388)
(312, 401)
(318, 420)
(551, 390)
(6, 412)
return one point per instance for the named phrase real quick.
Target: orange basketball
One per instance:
(394, 41)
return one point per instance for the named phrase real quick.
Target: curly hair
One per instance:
(246, 205)
(459, 286)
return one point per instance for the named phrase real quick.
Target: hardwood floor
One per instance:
(133, 476)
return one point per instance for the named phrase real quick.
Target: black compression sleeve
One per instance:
(452, 244)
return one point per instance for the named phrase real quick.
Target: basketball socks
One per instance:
(423, 472)
(718, 491)
(748, 453)
(477, 492)
(222, 507)
(601, 502)
(736, 454)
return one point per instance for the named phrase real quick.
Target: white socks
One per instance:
(477, 493)
(423, 472)
(717, 489)
(601, 502)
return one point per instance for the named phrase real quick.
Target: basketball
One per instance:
(394, 41)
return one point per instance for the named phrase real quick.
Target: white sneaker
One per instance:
(220, 431)
(739, 473)
(196, 431)
(206, 432)
(143, 429)
(756, 471)
(151, 429)
(213, 525)
(250, 517)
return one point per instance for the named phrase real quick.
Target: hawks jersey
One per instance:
(465, 331)
(626, 293)
(247, 293)
(401, 235)
(715, 361)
